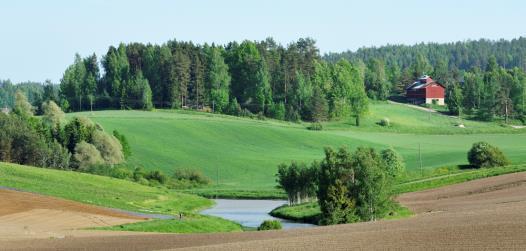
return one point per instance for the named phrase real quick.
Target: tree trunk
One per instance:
(357, 120)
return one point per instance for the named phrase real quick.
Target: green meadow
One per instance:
(243, 153)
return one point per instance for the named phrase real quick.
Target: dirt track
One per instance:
(482, 214)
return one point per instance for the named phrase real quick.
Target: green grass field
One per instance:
(120, 194)
(99, 190)
(244, 153)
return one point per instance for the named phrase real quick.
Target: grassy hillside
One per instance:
(99, 190)
(121, 194)
(245, 152)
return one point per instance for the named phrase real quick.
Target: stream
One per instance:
(250, 213)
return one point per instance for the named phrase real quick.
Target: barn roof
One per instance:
(423, 82)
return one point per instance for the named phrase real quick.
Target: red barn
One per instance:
(425, 90)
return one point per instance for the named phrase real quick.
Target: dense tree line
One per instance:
(458, 55)
(494, 92)
(294, 82)
(246, 78)
(36, 93)
(349, 186)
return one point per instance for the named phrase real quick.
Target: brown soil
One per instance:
(27, 215)
(483, 214)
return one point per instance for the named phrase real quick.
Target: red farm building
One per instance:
(425, 90)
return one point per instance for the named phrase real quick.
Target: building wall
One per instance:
(435, 91)
(439, 101)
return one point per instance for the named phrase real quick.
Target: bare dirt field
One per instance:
(31, 216)
(483, 214)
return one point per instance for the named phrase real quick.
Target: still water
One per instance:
(250, 213)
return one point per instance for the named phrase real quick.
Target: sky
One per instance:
(38, 39)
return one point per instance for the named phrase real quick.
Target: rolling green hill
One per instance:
(120, 194)
(245, 152)
(99, 190)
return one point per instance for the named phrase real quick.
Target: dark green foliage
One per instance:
(157, 176)
(21, 143)
(233, 108)
(270, 225)
(483, 154)
(333, 194)
(76, 131)
(298, 180)
(319, 108)
(277, 111)
(126, 148)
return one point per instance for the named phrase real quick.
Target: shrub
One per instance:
(385, 122)
(483, 154)
(191, 175)
(121, 173)
(270, 225)
(316, 126)
(156, 176)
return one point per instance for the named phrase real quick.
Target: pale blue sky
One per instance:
(38, 39)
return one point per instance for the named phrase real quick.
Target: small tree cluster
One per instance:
(192, 176)
(350, 187)
(298, 180)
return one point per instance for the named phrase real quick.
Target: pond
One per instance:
(250, 213)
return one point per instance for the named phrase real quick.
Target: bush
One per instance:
(87, 155)
(394, 163)
(316, 126)
(191, 175)
(156, 176)
(121, 173)
(483, 154)
(270, 225)
(385, 122)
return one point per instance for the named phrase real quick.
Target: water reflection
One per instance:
(250, 213)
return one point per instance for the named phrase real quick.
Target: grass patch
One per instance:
(243, 153)
(306, 212)
(458, 177)
(193, 223)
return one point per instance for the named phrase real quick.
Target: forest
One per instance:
(484, 79)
